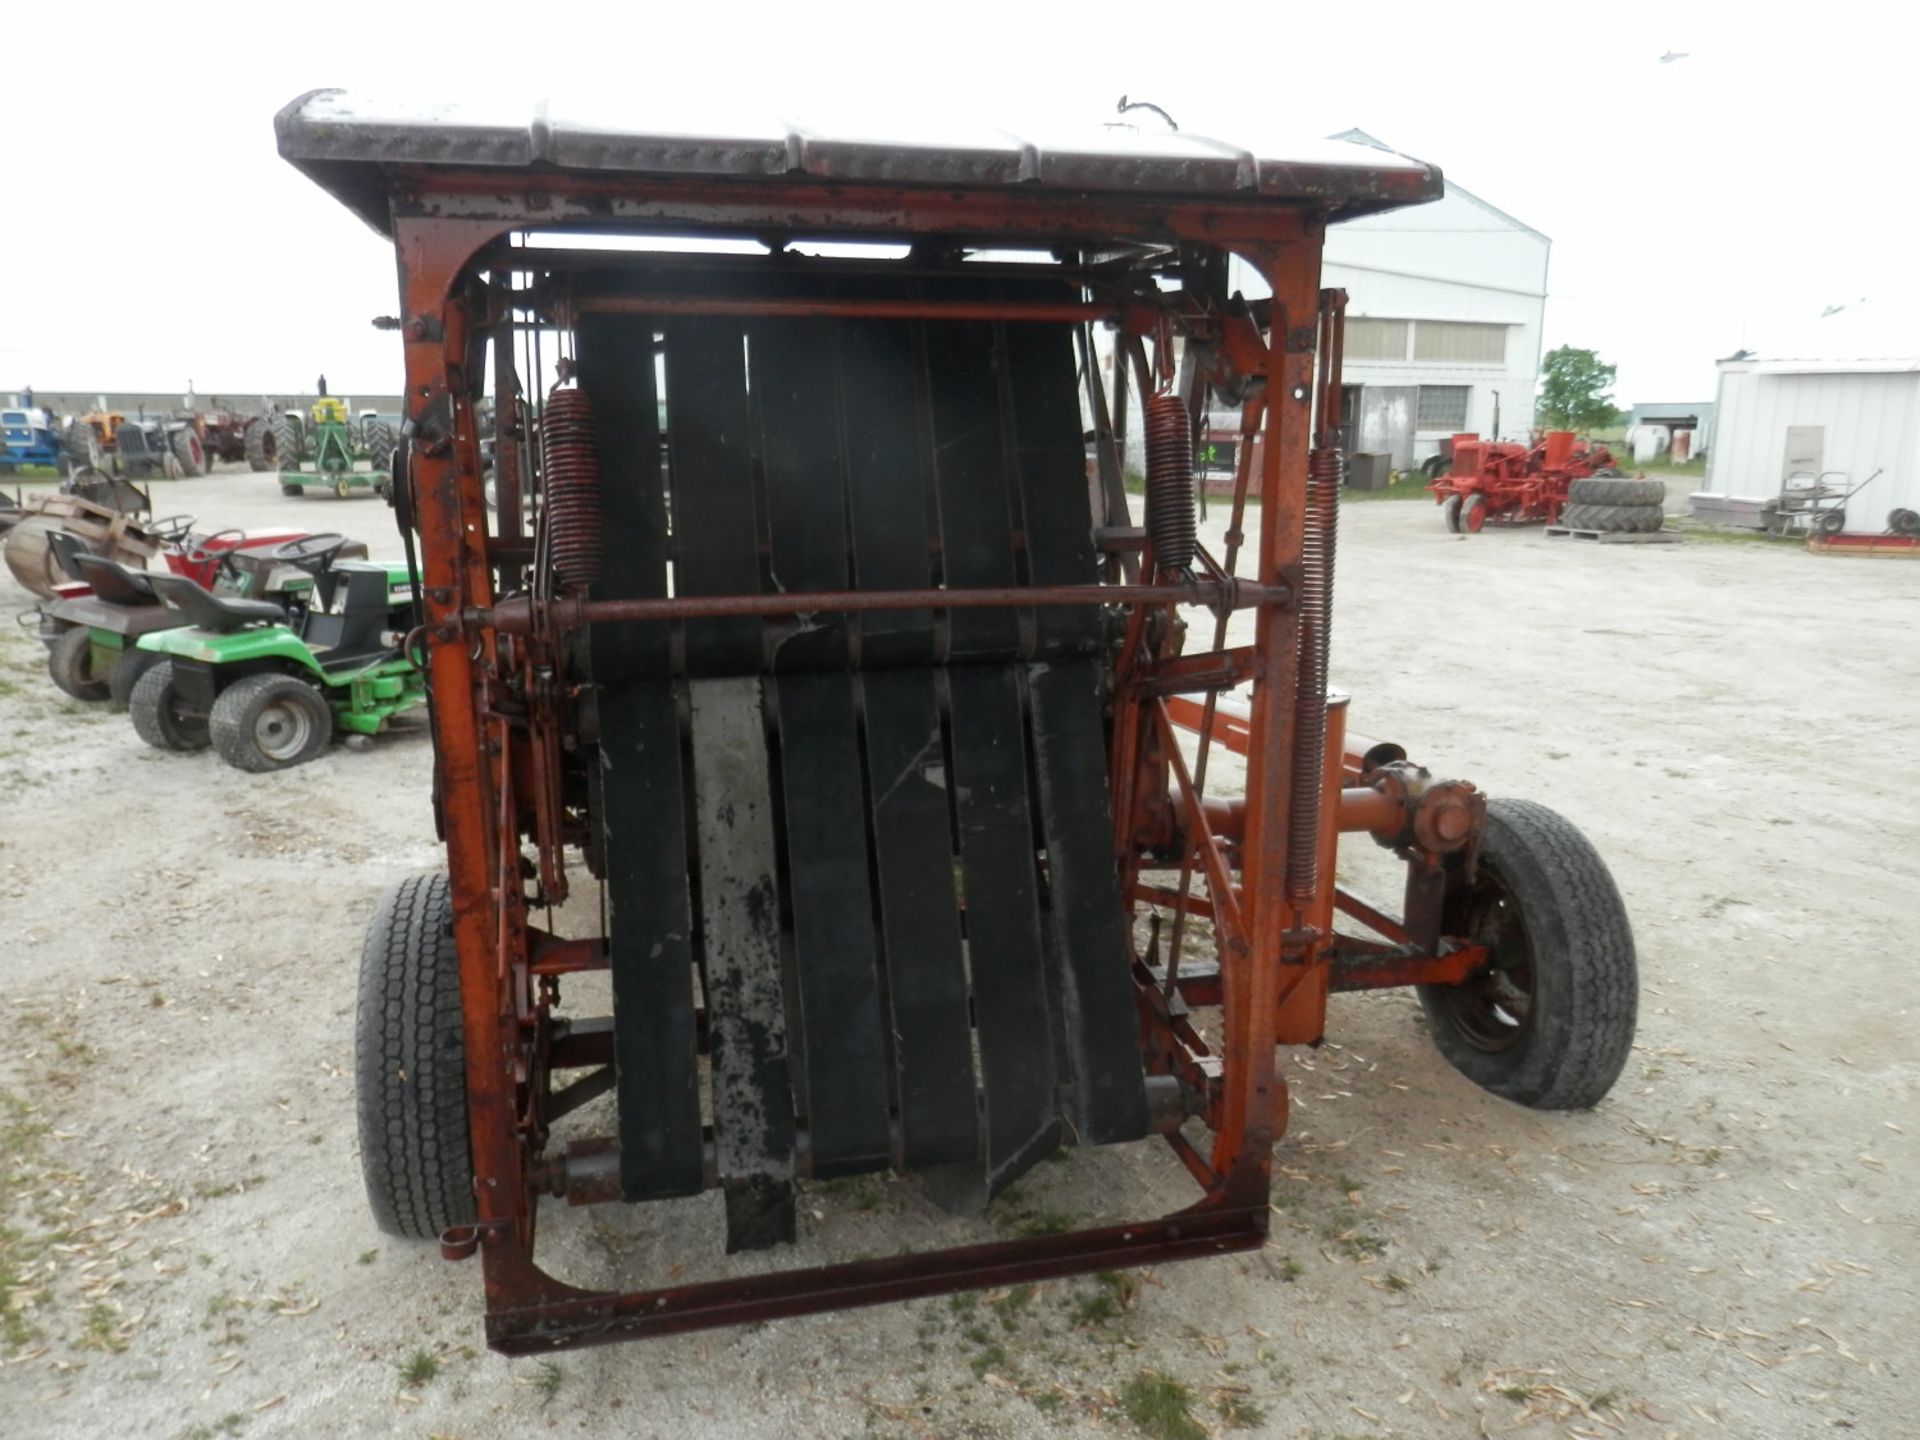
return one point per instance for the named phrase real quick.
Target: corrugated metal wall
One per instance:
(1870, 421)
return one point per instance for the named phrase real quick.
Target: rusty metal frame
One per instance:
(496, 772)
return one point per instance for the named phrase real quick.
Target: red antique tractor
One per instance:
(1493, 480)
(839, 687)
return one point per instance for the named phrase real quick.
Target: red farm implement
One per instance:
(1493, 481)
(836, 684)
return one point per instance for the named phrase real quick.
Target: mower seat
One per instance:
(358, 614)
(67, 549)
(112, 582)
(890, 860)
(207, 611)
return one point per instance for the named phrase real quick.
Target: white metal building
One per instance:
(1444, 310)
(1843, 398)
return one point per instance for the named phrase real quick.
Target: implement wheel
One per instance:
(270, 722)
(410, 1070)
(157, 714)
(70, 663)
(1548, 1021)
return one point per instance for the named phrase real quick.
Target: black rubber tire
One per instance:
(286, 489)
(261, 444)
(82, 444)
(1572, 930)
(190, 453)
(156, 714)
(1450, 513)
(1598, 491)
(1904, 522)
(125, 674)
(1614, 519)
(1473, 514)
(286, 440)
(409, 1060)
(381, 443)
(70, 663)
(1830, 522)
(270, 722)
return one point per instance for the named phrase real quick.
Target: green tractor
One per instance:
(325, 448)
(268, 687)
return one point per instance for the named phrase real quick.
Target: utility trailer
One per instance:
(868, 715)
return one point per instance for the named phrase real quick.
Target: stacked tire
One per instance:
(1614, 505)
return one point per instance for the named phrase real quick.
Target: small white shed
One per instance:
(1845, 398)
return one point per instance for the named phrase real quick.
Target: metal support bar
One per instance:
(516, 616)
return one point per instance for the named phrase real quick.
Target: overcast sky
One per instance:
(1695, 206)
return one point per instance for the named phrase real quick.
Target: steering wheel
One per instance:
(172, 530)
(202, 549)
(312, 554)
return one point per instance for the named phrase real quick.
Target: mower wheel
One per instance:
(1598, 491)
(70, 663)
(1450, 512)
(270, 722)
(1549, 1020)
(286, 489)
(342, 487)
(410, 1071)
(258, 438)
(1473, 514)
(192, 455)
(158, 717)
(1615, 519)
(133, 662)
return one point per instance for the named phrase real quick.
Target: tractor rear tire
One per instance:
(190, 453)
(157, 716)
(410, 1072)
(286, 440)
(125, 674)
(1598, 491)
(381, 444)
(70, 663)
(258, 437)
(270, 722)
(83, 445)
(1549, 1021)
(1450, 512)
(1615, 519)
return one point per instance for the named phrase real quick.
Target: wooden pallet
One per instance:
(1612, 537)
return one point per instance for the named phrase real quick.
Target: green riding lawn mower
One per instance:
(325, 449)
(92, 628)
(268, 686)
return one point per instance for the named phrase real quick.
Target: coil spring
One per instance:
(570, 477)
(1326, 474)
(1170, 524)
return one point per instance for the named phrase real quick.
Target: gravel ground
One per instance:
(1726, 1246)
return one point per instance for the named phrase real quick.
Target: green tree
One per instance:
(1575, 390)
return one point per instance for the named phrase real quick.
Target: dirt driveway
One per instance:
(1727, 1246)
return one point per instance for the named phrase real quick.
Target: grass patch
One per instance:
(1406, 485)
(547, 1381)
(1161, 1407)
(419, 1369)
(1237, 1412)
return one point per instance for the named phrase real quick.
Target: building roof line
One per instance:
(1454, 187)
(1329, 263)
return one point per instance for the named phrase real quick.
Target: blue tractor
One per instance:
(30, 439)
